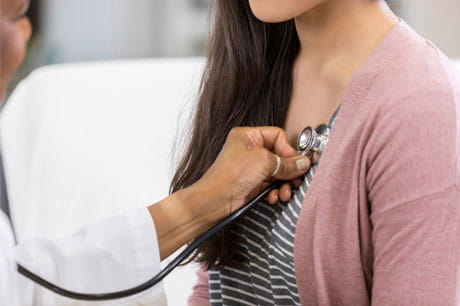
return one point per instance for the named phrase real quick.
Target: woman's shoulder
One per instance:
(409, 75)
(414, 68)
(413, 110)
(411, 106)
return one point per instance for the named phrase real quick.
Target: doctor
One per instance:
(125, 250)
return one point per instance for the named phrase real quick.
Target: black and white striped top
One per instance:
(267, 277)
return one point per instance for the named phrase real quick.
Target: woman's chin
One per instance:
(272, 19)
(275, 11)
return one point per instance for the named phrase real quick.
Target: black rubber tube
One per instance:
(163, 273)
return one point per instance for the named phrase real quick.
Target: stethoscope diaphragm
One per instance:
(310, 140)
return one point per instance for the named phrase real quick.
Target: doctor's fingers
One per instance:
(285, 192)
(282, 194)
(271, 138)
(289, 168)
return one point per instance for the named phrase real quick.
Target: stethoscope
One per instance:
(309, 141)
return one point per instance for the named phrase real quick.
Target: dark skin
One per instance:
(243, 168)
(15, 31)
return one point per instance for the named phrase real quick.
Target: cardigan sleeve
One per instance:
(414, 197)
(200, 294)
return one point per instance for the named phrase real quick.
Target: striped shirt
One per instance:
(268, 275)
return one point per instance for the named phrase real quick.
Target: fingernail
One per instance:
(302, 163)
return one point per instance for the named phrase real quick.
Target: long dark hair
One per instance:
(247, 82)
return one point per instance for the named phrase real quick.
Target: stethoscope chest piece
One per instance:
(311, 141)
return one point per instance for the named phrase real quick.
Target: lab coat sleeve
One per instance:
(7, 296)
(114, 254)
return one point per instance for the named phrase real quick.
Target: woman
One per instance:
(131, 245)
(379, 223)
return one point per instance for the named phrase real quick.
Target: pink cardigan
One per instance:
(380, 222)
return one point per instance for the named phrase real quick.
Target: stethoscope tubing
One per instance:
(317, 142)
(164, 272)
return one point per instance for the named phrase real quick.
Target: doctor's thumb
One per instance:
(290, 168)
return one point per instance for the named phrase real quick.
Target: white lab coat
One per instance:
(113, 254)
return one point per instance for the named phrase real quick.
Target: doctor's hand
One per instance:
(246, 165)
(249, 161)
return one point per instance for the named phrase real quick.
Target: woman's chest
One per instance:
(301, 115)
(333, 243)
(311, 104)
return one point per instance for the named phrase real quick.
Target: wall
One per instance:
(86, 30)
(437, 20)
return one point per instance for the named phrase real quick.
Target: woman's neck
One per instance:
(337, 36)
